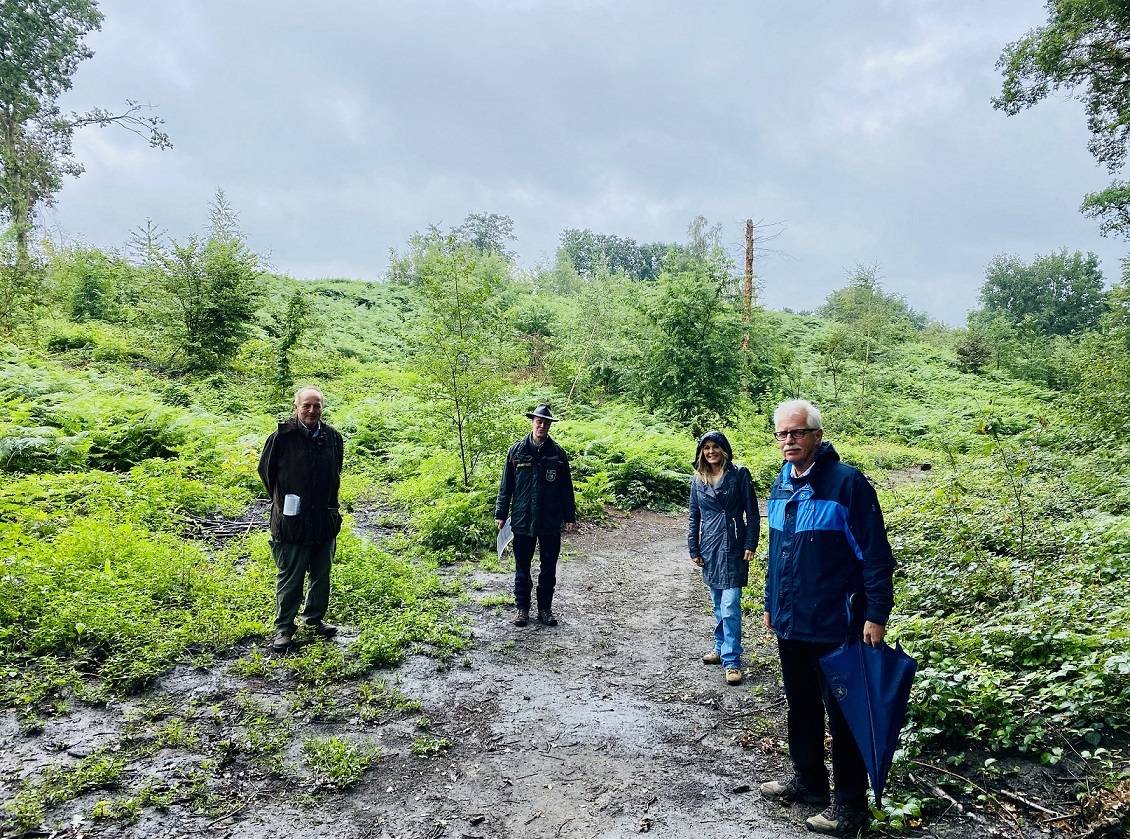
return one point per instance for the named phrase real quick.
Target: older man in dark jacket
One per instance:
(536, 492)
(829, 577)
(301, 469)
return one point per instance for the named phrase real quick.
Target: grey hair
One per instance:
(307, 389)
(793, 406)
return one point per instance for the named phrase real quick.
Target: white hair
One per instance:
(795, 406)
(308, 389)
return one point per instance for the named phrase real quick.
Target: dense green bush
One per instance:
(1014, 607)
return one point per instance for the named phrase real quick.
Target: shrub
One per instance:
(336, 763)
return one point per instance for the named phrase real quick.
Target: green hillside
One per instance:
(125, 456)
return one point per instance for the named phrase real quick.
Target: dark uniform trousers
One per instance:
(295, 563)
(547, 573)
(808, 696)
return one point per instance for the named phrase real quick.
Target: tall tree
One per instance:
(488, 233)
(590, 253)
(873, 319)
(212, 289)
(1102, 363)
(459, 354)
(692, 362)
(1084, 49)
(1057, 294)
(41, 46)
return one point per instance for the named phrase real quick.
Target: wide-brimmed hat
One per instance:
(541, 412)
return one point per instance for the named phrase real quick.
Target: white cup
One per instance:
(291, 505)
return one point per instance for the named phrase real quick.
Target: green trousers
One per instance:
(294, 563)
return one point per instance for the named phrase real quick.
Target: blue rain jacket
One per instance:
(828, 548)
(722, 524)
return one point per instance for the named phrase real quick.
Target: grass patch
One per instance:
(336, 763)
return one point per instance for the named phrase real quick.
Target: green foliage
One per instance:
(21, 281)
(212, 288)
(1013, 604)
(1100, 369)
(377, 700)
(1057, 294)
(44, 44)
(488, 233)
(1111, 207)
(91, 284)
(337, 763)
(458, 354)
(591, 254)
(57, 785)
(624, 456)
(691, 359)
(293, 323)
(1082, 50)
(873, 315)
(972, 350)
(427, 746)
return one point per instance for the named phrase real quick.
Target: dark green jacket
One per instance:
(294, 463)
(536, 489)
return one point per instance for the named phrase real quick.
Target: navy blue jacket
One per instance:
(722, 524)
(536, 490)
(827, 543)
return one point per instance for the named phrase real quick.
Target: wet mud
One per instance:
(607, 725)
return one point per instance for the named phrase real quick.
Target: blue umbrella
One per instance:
(872, 687)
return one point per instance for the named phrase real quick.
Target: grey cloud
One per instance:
(338, 129)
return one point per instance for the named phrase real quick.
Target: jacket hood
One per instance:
(719, 439)
(825, 453)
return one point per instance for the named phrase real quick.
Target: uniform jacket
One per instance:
(536, 490)
(827, 543)
(294, 463)
(723, 523)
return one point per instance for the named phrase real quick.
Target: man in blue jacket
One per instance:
(829, 577)
(536, 492)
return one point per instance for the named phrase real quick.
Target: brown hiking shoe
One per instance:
(733, 676)
(522, 617)
(839, 820)
(791, 791)
(545, 617)
(712, 657)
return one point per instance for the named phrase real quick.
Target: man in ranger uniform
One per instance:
(829, 577)
(536, 492)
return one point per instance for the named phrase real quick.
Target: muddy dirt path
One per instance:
(606, 725)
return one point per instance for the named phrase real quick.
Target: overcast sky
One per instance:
(339, 128)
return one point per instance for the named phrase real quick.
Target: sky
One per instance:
(862, 133)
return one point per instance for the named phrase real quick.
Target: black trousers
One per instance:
(809, 698)
(550, 544)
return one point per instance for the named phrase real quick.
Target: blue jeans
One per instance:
(728, 625)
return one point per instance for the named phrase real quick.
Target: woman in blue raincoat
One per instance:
(722, 531)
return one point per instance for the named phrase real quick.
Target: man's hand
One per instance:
(500, 522)
(570, 526)
(873, 633)
(765, 620)
(747, 556)
(697, 560)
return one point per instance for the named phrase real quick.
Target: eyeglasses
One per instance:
(795, 433)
